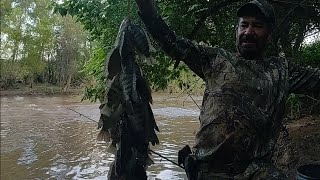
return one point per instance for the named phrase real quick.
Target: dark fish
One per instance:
(113, 66)
(110, 109)
(128, 75)
(140, 114)
(143, 86)
(126, 115)
(142, 43)
(140, 40)
(124, 24)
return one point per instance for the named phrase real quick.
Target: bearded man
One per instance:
(244, 99)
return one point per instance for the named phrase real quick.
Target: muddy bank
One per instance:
(301, 146)
(39, 90)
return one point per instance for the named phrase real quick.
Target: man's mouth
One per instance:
(248, 44)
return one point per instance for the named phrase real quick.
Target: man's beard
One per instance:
(250, 47)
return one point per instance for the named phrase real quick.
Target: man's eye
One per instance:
(258, 25)
(243, 25)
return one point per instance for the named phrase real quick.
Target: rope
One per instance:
(150, 149)
(82, 115)
(166, 158)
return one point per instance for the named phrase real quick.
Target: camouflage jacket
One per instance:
(244, 100)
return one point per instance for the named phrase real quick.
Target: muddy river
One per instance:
(42, 139)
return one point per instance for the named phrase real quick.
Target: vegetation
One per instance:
(40, 46)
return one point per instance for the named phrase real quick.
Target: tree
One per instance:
(212, 22)
(40, 45)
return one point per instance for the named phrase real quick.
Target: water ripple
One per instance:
(28, 156)
(174, 112)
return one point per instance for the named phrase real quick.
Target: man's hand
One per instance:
(146, 7)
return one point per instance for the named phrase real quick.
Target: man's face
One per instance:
(252, 37)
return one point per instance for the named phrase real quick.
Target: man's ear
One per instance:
(236, 32)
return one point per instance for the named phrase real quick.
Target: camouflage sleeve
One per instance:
(177, 47)
(304, 79)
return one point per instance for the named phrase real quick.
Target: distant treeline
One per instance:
(38, 46)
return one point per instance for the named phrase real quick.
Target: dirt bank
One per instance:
(301, 146)
(42, 89)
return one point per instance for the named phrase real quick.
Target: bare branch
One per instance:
(211, 10)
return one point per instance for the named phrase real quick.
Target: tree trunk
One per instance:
(67, 84)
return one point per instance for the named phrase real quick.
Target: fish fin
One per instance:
(149, 161)
(112, 148)
(100, 123)
(153, 119)
(103, 136)
(113, 63)
(151, 126)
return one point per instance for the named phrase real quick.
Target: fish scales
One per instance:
(140, 40)
(127, 63)
(138, 112)
(110, 109)
(126, 112)
(142, 86)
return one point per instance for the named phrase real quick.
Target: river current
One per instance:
(42, 139)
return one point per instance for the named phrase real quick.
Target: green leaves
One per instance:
(102, 20)
(42, 44)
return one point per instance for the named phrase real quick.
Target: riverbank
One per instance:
(300, 146)
(46, 89)
(41, 89)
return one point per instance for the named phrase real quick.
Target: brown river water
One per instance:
(42, 139)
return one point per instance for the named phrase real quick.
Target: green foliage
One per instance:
(212, 22)
(95, 67)
(33, 65)
(294, 106)
(310, 55)
(42, 45)
(102, 19)
(11, 72)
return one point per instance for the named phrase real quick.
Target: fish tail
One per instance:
(103, 136)
(112, 148)
(149, 161)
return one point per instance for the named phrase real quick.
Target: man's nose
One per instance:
(249, 30)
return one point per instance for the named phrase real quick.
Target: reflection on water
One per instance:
(42, 139)
(28, 156)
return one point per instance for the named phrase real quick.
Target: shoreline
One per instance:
(49, 90)
(40, 90)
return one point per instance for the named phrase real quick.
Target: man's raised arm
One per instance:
(304, 80)
(177, 47)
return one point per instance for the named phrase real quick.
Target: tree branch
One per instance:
(211, 10)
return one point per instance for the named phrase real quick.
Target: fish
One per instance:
(128, 74)
(142, 44)
(113, 63)
(110, 109)
(126, 118)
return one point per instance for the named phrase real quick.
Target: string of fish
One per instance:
(126, 116)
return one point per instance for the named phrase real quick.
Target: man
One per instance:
(244, 100)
